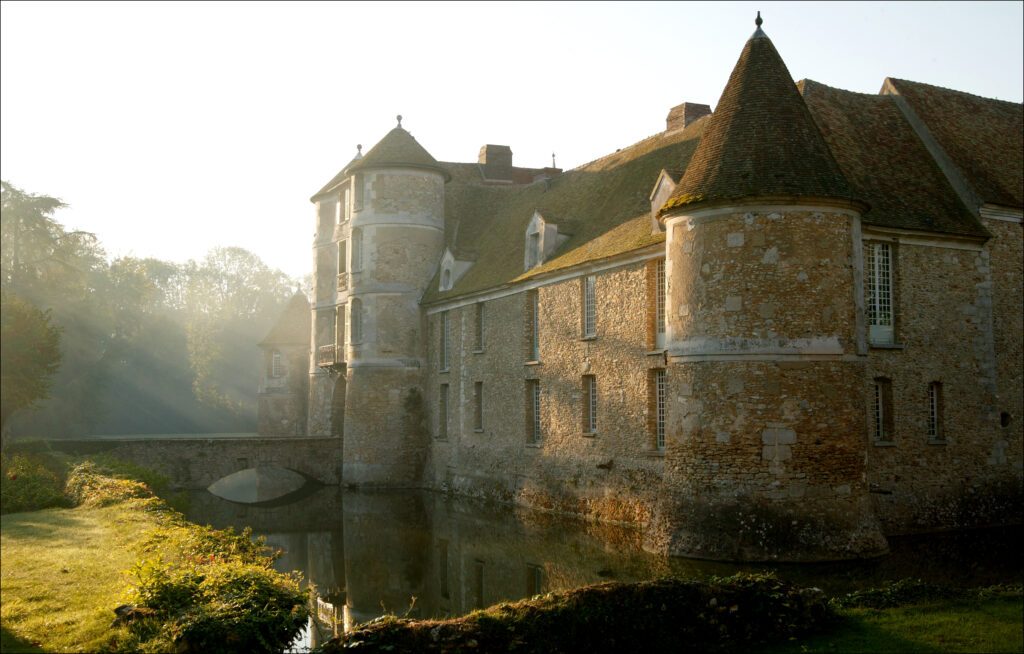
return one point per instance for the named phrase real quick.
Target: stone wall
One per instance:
(195, 463)
(943, 300)
(610, 475)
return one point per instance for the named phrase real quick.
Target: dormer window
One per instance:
(446, 279)
(451, 270)
(533, 250)
(542, 239)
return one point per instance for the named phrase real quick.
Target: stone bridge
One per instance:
(194, 461)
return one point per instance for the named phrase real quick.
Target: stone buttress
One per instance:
(766, 434)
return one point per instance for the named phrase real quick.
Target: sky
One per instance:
(173, 128)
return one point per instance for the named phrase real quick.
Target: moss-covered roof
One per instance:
(292, 327)
(604, 205)
(397, 148)
(886, 163)
(983, 137)
(761, 141)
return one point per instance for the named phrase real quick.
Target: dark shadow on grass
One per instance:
(15, 645)
(851, 636)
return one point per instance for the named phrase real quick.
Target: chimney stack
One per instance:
(683, 115)
(496, 162)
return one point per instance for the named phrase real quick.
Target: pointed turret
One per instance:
(761, 141)
(398, 148)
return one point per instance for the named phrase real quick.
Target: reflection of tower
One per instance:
(386, 237)
(387, 542)
(764, 215)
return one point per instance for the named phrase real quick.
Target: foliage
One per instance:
(719, 615)
(147, 345)
(87, 485)
(914, 591)
(30, 483)
(29, 355)
(215, 606)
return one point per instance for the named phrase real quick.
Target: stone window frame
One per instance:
(443, 404)
(882, 270)
(339, 330)
(346, 206)
(355, 320)
(356, 250)
(589, 405)
(277, 368)
(478, 406)
(936, 410)
(657, 407)
(478, 328)
(656, 304)
(883, 418)
(534, 408)
(588, 307)
(444, 342)
(532, 323)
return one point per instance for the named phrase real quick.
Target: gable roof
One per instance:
(293, 325)
(605, 206)
(984, 137)
(886, 163)
(761, 141)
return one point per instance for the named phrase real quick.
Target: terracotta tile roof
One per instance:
(983, 137)
(397, 148)
(604, 205)
(761, 141)
(886, 163)
(292, 327)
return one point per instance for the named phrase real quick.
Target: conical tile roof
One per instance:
(761, 141)
(397, 148)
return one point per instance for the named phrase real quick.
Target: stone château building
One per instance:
(784, 329)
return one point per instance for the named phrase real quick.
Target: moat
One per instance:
(368, 553)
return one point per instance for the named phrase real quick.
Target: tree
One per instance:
(29, 356)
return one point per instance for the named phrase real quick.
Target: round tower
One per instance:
(767, 431)
(395, 239)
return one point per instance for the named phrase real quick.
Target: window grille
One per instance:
(478, 406)
(659, 408)
(442, 412)
(589, 307)
(659, 317)
(443, 346)
(589, 404)
(533, 410)
(356, 319)
(878, 264)
(533, 325)
(935, 411)
(478, 334)
(276, 364)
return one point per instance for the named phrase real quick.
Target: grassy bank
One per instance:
(181, 587)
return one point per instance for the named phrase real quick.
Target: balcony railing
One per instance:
(342, 281)
(329, 355)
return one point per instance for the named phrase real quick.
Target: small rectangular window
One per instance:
(534, 580)
(357, 189)
(589, 404)
(589, 306)
(276, 364)
(346, 199)
(442, 350)
(478, 333)
(357, 250)
(442, 412)
(878, 270)
(339, 331)
(532, 325)
(657, 408)
(882, 416)
(533, 414)
(659, 313)
(935, 432)
(355, 320)
(342, 257)
(478, 406)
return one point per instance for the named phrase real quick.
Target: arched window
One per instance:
(356, 320)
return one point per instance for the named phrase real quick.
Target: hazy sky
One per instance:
(173, 128)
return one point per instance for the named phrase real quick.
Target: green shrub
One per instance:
(92, 485)
(30, 483)
(221, 605)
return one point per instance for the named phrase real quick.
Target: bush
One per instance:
(90, 484)
(215, 606)
(657, 616)
(30, 483)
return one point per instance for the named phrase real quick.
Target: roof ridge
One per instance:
(951, 90)
(638, 143)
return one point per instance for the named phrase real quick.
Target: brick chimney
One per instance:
(496, 161)
(682, 115)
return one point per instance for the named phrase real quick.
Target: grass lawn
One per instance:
(989, 625)
(62, 574)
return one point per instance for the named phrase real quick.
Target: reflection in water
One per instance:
(425, 555)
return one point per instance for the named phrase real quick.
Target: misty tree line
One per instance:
(145, 346)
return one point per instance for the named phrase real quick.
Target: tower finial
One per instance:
(359, 148)
(399, 116)
(758, 21)
(553, 160)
